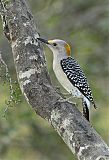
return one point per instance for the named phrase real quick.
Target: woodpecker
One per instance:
(69, 73)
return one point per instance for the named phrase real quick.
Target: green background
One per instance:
(84, 24)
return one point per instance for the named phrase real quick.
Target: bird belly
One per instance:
(64, 81)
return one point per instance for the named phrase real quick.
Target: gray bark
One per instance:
(38, 90)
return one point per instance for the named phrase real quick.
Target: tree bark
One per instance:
(35, 83)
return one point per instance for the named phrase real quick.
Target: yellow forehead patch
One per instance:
(68, 50)
(50, 41)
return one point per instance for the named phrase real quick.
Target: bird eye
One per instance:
(54, 44)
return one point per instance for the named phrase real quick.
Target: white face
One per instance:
(59, 47)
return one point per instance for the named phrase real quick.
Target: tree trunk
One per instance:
(38, 90)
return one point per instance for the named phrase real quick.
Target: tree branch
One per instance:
(36, 85)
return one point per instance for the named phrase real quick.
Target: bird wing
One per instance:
(77, 77)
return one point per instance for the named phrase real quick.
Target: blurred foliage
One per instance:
(85, 25)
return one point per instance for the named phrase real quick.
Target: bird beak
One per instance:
(43, 40)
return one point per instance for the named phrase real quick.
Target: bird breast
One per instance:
(64, 81)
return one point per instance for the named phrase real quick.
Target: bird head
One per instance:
(58, 47)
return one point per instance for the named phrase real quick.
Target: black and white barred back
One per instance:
(77, 77)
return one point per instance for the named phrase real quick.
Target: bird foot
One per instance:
(66, 100)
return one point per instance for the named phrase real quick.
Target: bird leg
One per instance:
(57, 88)
(66, 99)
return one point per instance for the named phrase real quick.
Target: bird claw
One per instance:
(57, 89)
(66, 100)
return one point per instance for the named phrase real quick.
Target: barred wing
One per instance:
(76, 76)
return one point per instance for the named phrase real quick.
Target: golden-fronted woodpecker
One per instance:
(69, 73)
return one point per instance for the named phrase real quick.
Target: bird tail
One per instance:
(85, 110)
(94, 106)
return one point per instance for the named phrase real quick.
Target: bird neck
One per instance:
(59, 56)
